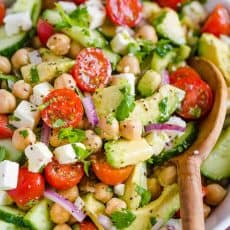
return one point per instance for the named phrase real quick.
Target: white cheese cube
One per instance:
(120, 42)
(68, 7)
(79, 203)
(96, 12)
(130, 78)
(119, 189)
(8, 175)
(25, 115)
(65, 154)
(5, 198)
(14, 23)
(38, 156)
(39, 92)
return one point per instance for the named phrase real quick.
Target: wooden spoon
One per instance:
(188, 164)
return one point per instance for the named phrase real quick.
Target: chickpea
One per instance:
(154, 187)
(21, 89)
(59, 44)
(92, 142)
(64, 81)
(7, 102)
(87, 185)
(115, 204)
(62, 227)
(75, 49)
(207, 210)
(149, 10)
(58, 214)
(71, 194)
(23, 137)
(108, 29)
(55, 141)
(20, 58)
(167, 175)
(109, 128)
(5, 66)
(131, 129)
(36, 43)
(72, 220)
(214, 194)
(147, 32)
(129, 64)
(103, 192)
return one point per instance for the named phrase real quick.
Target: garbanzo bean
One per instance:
(70, 194)
(92, 142)
(214, 194)
(154, 187)
(207, 210)
(147, 32)
(5, 66)
(58, 214)
(21, 89)
(36, 43)
(131, 129)
(64, 81)
(115, 204)
(7, 102)
(129, 64)
(20, 58)
(62, 227)
(167, 175)
(75, 49)
(103, 192)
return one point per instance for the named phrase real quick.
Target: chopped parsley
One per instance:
(163, 108)
(153, 220)
(122, 219)
(8, 77)
(58, 123)
(3, 153)
(72, 135)
(24, 133)
(14, 118)
(145, 195)
(163, 47)
(34, 75)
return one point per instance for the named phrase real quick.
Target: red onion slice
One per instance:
(45, 133)
(35, 57)
(165, 78)
(164, 127)
(77, 213)
(105, 221)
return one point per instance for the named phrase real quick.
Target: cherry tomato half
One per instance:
(87, 225)
(218, 22)
(30, 187)
(169, 3)
(92, 70)
(2, 12)
(109, 175)
(5, 131)
(44, 31)
(64, 109)
(78, 2)
(124, 12)
(63, 176)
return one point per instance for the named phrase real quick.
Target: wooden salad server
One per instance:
(188, 164)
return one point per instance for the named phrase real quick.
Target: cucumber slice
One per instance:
(179, 146)
(11, 153)
(7, 226)
(217, 165)
(12, 215)
(52, 16)
(38, 217)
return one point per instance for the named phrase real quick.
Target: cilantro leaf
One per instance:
(87, 165)
(34, 76)
(163, 47)
(145, 195)
(73, 135)
(163, 108)
(58, 123)
(3, 153)
(153, 220)
(24, 133)
(80, 152)
(126, 106)
(122, 219)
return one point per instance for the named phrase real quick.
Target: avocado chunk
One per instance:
(46, 71)
(216, 51)
(137, 178)
(159, 107)
(121, 153)
(149, 83)
(217, 165)
(93, 209)
(168, 25)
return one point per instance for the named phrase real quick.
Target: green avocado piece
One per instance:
(218, 52)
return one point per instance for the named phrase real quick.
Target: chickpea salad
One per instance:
(96, 97)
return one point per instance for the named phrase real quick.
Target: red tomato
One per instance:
(198, 98)
(30, 187)
(44, 30)
(92, 69)
(87, 225)
(218, 22)
(169, 3)
(63, 176)
(124, 12)
(5, 132)
(64, 108)
(109, 175)
(2, 12)
(78, 2)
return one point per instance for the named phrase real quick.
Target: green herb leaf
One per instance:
(87, 165)
(58, 123)
(80, 17)
(126, 106)
(153, 220)
(158, 20)
(7, 77)
(163, 108)
(14, 118)
(24, 133)
(34, 74)
(73, 135)
(145, 195)
(80, 152)
(3, 153)
(122, 219)
(163, 47)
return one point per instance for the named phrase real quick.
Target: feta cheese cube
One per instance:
(96, 12)
(5, 198)
(65, 154)
(68, 7)
(119, 189)
(16, 22)
(39, 92)
(120, 42)
(79, 203)
(38, 156)
(8, 175)
(25, 115)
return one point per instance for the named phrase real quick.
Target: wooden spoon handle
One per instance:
(191, 193)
